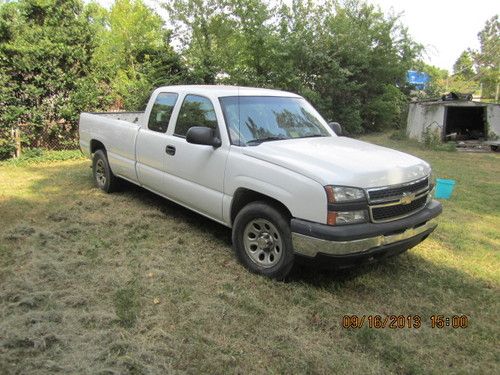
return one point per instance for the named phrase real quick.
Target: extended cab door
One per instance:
(152, 141)
(195, 173)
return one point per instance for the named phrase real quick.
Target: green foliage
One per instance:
(37, 155)
(487, 59)
(438, 79)
(127, 307)
(478, 70)
(348, 59)
(431, 140)
(464, 66)
(7, 146)
(442, 82)
(464, 78)
(134, 54)
(388, 109)
(32, 153)
(45, 59)
(61, 57)
(399, 135)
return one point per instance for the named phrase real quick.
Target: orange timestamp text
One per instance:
(404, 321)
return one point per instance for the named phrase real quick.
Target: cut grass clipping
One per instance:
(130, 283)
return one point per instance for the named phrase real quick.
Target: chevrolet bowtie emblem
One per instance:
(407, 198)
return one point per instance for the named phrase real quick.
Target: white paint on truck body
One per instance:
(205, 179)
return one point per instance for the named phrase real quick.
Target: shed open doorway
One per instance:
(464, 123)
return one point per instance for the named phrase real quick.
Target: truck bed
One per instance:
(133, 117)
(118, 131)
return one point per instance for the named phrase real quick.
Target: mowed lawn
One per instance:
(131, 283)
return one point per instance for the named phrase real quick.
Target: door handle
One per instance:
(170, 150)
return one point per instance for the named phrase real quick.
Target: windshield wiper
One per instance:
(265, 139)
(313, 135)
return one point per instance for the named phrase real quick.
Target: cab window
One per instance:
(161, 112)
(195, 111)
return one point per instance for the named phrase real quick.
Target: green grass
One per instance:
(130, 283)
(33, 156)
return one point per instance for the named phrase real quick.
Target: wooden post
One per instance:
(17, 138)
(13, 137)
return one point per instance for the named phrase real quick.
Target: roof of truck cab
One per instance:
(222, 90)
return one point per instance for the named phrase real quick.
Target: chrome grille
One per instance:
(396, 211)
(395, 202)
(399, 190)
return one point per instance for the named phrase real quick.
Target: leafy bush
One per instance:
(399, 135)
(59, 58)
(431, 139)
(32, 153)
(7, 147)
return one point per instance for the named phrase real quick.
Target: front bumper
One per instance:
(363, 240)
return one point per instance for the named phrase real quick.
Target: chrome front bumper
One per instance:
(312, 246)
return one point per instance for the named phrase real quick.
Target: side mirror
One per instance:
(201, 135)
(335, 126)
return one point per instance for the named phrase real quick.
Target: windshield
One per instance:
(252, 120)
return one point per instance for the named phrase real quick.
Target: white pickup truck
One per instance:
(266, 164)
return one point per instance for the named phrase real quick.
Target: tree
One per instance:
(487, 59)
(464, 66)
(46, 49)
(348, 55)
(61, 57)
(134, 54)
(197, 22)
(342, 57)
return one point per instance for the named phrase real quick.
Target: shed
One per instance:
(456, 119)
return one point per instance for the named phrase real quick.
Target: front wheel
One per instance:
(262, 240)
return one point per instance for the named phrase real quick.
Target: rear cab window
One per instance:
(161, 111)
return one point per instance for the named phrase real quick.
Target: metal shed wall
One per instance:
(423, 116)
(493, 118)
(431, 115)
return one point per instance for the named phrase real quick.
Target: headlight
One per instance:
(432, 187)
(346, 205)
(432, 180)
(343, 194)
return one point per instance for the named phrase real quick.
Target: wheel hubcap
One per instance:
(262, 243)
(100, 172)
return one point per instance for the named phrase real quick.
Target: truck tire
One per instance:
(104, 178)
(262, 240)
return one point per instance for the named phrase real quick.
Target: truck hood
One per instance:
(341, 161)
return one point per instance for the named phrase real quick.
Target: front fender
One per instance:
(302, 196)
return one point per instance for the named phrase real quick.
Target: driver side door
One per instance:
(196, 172)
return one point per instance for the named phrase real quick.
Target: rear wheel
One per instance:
(262, 240)
(103, 176)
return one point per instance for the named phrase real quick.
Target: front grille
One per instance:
(399, 190)
(386, 213)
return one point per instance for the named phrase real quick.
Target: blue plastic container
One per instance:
(444, 188)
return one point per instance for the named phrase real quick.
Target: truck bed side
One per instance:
(117, 132)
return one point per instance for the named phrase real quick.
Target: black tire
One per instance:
(277, 261)
(104, 178)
